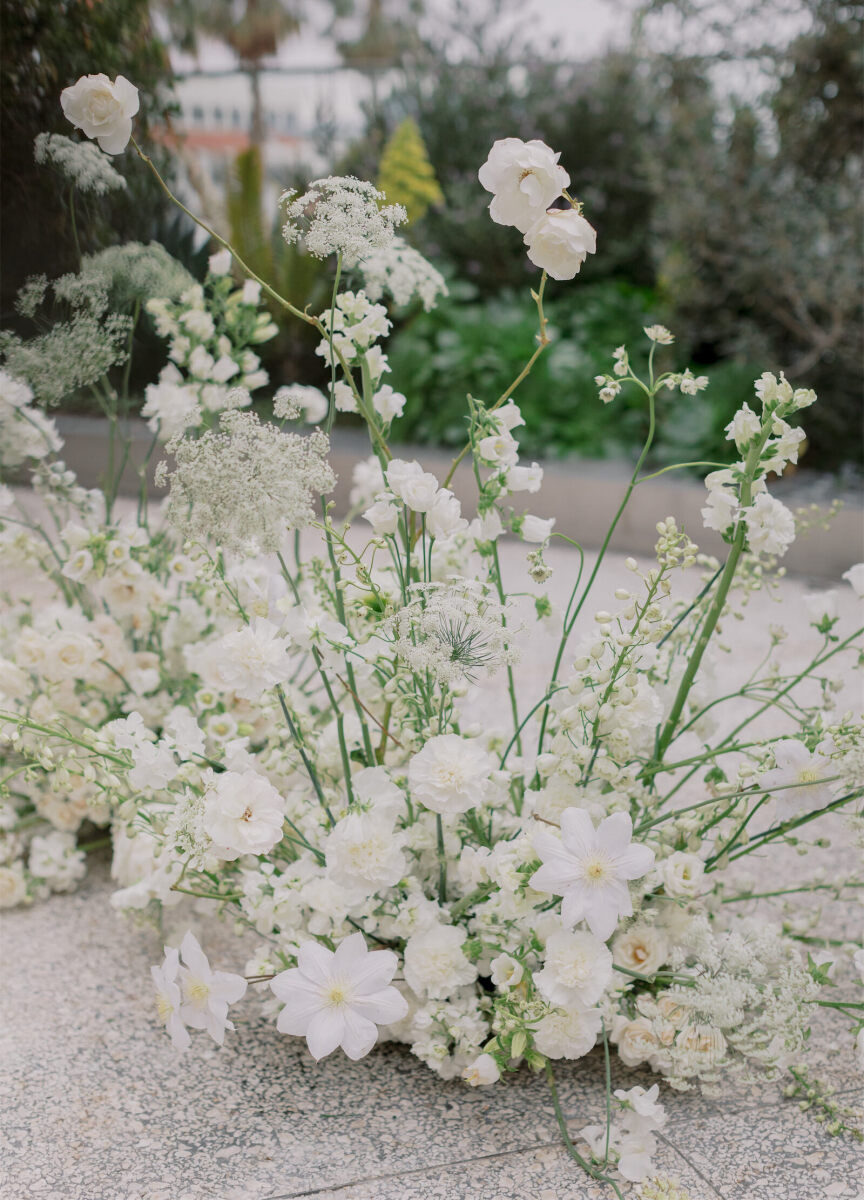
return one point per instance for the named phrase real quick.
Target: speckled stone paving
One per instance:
(96, 1105)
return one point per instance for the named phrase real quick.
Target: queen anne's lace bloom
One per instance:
(341, 215)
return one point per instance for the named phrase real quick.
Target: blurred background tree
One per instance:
(46, 46)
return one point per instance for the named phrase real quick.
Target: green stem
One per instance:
(587, 1167)
(442, 861)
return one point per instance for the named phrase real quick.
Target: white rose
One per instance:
(641, 948)
(682, 875)
(13, 887)
(102, 110)
(636, 1040)
(243, 813)
(560, 241)
(524, 178)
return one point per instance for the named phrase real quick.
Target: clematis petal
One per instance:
(194, 957)
(359, 1036)
(325, 1032)
(614, 832)
(384, 1007)
(577, 831)
(315, 961)
(634, 862)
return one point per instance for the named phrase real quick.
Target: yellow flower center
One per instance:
(164, 1007)
(597, 868)
(808, 775)
(336, 993)
(197, 991)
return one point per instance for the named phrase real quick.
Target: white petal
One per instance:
(614, 832)
(315, 961)
(229, 987)
(577, 831)
(359, 1035)
(194, 957)
(384, 1007)
(325, 1032)
(634, 862)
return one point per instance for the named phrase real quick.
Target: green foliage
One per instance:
(47, 45)
(478, 346)
(405, 174)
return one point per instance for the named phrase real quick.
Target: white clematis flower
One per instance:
(169, 999)
(102, 110)
(339, 998)
(590, 868)
(207, 993)
(524, 178)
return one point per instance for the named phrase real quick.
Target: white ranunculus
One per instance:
(364, 853)
(560, 241)
(102, 110)
(524, 178)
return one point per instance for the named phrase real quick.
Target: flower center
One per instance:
(247, 814)
(197, 991)
(164, 1007)
(336, 993)
(808, 775)
(597, 869)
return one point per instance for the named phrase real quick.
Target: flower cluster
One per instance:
(301, 730)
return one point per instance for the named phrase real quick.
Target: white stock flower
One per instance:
(720, 510)
(560, 241)
(102, 110)
(524, 178)
(388, 403)
(590, 868)
(577, 969)
(243, 813)
(450, 774)
(568, 1033)
(169, 1000)
(207, 993)
(339, 998)
(770, 526)
(743, 427)
(435, 963)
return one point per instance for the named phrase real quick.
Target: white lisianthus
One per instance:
(339, 998)
(577, 969)
(102, 110)
(560, 241)
(568, 1033)
(482, 1071)
(641, 948)
(682, 875)
(451, 774)
(524, 178)
(536, 529)
(590, 868)
(436, 964)
(243, 813)
(770, 526)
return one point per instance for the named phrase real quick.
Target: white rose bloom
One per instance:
(243, 813)
(577, 968)
(569, 1033)
(770, 526)
(102, 110)
(682, 875)
(855, 578)
(450, 774)
(636, 1041)
(536, 529)
(560, 241)
(642, 948)
(435, 965)
(524, 178)
(364, 853)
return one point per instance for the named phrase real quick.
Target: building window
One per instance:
(197, 114)
(217, 115)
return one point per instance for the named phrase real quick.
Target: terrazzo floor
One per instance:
(96, 1105)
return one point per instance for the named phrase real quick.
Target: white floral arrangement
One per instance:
(277, 712)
